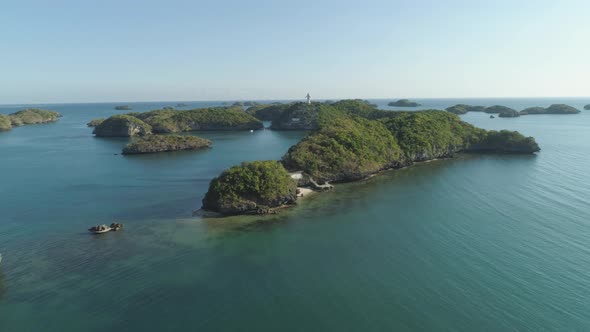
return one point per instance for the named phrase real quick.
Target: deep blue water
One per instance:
(489, 242)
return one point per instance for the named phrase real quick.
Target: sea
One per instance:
(472, 243)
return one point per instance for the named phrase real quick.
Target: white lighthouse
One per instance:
(308, 97)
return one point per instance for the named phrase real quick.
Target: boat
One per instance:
(99, 229)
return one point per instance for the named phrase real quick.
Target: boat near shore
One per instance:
(101, 229)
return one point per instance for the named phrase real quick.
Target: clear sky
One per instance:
(143, 50)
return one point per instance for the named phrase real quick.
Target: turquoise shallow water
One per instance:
(473, 243)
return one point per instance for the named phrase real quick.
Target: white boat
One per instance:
(100, 229)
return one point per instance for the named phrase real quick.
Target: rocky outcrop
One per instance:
(403, 103)
(165, 143)
(251, 188)
(587, 107)
(5, 123)
(122, 126)
(94, 122)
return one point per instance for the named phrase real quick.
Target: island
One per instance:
(165, 143)
(258, 187)
(352, 141)
(123, 108)
(94, 122)
(181, 105)
(463, 109)
(26, 117)
(122, 126)
(403, 103)
(169, 120)
(5, 123)
(507, 112)
(587, 107)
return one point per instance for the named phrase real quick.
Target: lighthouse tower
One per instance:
(308, 97)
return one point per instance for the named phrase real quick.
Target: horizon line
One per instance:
(287, 99)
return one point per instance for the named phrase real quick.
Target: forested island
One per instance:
(26, 117)
(169, 120)
(94, 122)
(507, 112)
(165, 143)
(351, 140)
(403, 103)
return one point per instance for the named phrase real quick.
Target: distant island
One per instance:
(352, 140)
(181, 105)
(169, 120)
(26, 117)
(123, 108)
(587, 107)
(507, 112)
(403, 103)
(165, 143)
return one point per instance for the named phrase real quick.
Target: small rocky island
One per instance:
(26, 117)
(122, 126)
(257, 187)
(587, 107)
(123, 108)
(169, 120)
(165, 143)
(403, 103)
(352, 140)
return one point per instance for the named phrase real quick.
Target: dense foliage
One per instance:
(122, 126)
(164, 143)
(504, 141)
(252, 187)
(562, 109)
(346, 149)
(5, 123)
(267, 112)
(33, 116)
(430, 134)
(403, 103)
(168, 120)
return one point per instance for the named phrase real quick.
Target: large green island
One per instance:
(352, 140)
(169, 120)
(403, 103)
(26, 117)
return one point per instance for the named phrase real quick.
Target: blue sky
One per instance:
(82, 51)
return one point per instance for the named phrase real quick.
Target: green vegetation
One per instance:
(164, 143)
(403, 103)
(504, 141)
(344, 150)
(123, 108)
(169, 120)
(509, 114)
(553, 109)
(267, 112)
(33, 116)
(252, 187)
(428, 135)
(533, 110)
(463, 108)
(5, 123)
(122, 126)
(94, 122)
